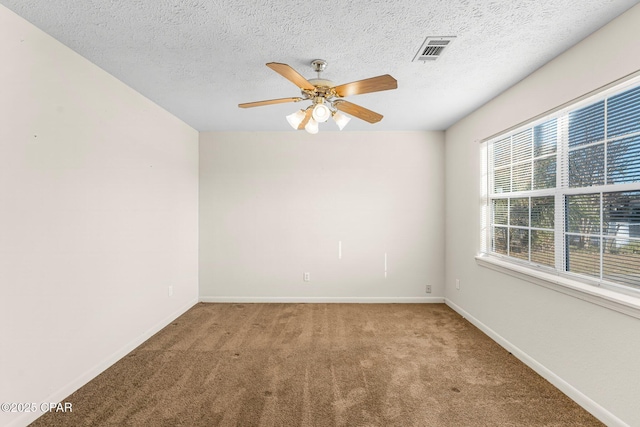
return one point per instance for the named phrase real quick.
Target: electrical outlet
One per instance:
(428, 290)
(458, 284)
(170, 291)
(307, 277)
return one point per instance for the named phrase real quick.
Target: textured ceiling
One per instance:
(200, 58)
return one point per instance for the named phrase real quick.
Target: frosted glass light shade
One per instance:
(321, 113)
(340, 119)
(312, 126)
(296, 118)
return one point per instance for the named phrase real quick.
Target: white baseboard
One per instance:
(580, 398)
(312, 300)
(74, 385)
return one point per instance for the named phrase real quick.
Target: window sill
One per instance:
(626, 304)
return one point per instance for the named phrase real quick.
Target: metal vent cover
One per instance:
(433, 47)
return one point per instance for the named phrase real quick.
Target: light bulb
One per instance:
(312, 126)
(296, 118)
(340, 119)
(321, 113)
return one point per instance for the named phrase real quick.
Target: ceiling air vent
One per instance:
(432, 48)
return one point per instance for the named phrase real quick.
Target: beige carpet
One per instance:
(319, 365)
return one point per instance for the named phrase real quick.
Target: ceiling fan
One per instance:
(326, 97)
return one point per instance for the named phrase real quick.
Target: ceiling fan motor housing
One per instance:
(322, 86)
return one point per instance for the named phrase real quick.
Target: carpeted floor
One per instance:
(319, 365)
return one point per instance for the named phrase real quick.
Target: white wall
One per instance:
(98, 216)
(594, 350)
(274, 205)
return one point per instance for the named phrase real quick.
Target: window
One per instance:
(563, 192)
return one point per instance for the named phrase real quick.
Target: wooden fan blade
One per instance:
(358, 111)
(374, 84)
(269, 102)
(290, 74)
(306, 119)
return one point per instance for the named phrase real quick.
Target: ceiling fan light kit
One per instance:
(312, 127)
(326, 98)
(296, 118)
(341, 119)
(321, 112)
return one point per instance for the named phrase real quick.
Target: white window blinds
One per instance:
(564, 192)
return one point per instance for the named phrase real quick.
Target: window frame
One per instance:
(620, 297)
